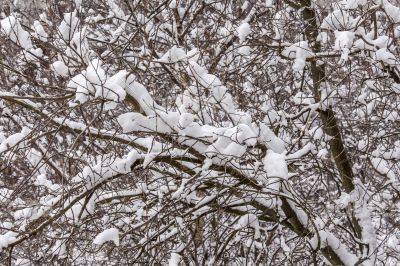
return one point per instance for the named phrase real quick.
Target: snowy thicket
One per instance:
(200, 133)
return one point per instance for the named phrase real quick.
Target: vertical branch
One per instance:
(328, 118)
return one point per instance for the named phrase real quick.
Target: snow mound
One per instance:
(111, 234)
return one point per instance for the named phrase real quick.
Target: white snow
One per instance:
(7, 239)
(59, 249)
(270, 139)
(39, 31)
(41, 180)
(115, 10)
(142, 96)
(300, 153)
(385, 56)
(245, 50)
(275, 165)
(172, 4)
(249, 220)
(383, 168)
(381, 41)
(299, 52)
(326, 238)
(82, 90)
(14, 140)
(107, 167)
(111, 234)
(60, 68)
(11, 27)
(203, 77)
(392, 11)
(79, 210)
(243, 31)
(232, 141)
(79, 46)
(78, 3)
(33, 54)
(173, 55)
(225, 147)
(94, 82)
(368, 230)
(162, 123)
(175, 259)
(5, 194)
(113, 89)
(68, 26)
(186, 119)
(353, 4)
(338, 20)
(219, 93)
(344, 39)
(302, 98)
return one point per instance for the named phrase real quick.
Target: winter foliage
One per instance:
(200, 132)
